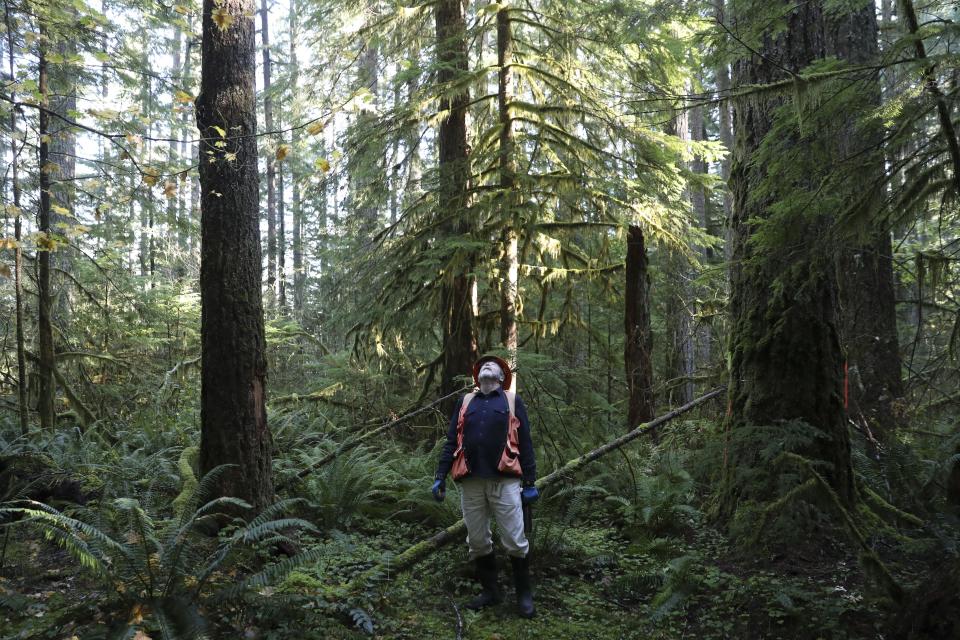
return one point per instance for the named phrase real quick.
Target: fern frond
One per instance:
(257, 532)
(270, 574)
(208, 483)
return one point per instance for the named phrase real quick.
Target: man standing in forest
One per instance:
(490, 452)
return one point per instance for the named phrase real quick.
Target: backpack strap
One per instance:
(510, 458)
(460, 467)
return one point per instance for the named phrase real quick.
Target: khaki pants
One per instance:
(480, 499)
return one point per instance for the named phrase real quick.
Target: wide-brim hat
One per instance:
(507, 375)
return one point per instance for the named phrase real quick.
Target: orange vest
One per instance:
(509, 459)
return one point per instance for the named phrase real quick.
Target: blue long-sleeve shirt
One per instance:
(485, 435)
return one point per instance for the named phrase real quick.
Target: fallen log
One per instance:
(417, 552)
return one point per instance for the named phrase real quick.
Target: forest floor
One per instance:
(626, 549)
(591, 582)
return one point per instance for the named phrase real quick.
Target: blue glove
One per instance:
(529, 495)
(439, 490)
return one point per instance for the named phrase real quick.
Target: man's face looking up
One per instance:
(490, 376)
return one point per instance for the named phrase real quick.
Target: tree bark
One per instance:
(459, 340)
(865, 267)
(679, 354)
(638, 337)
(785, 349)
(509, 193)
(233, 414)
(47, 382)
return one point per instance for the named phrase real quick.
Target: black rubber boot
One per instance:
(487, 575)
(521, 580)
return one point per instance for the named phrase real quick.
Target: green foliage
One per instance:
(340, 490)
(165, 569)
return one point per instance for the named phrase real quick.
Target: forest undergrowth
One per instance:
(628, 548)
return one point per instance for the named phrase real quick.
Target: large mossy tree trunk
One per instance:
(865, 265)
(785, 354)
(459, 340)
(638, 338)
(233, 382)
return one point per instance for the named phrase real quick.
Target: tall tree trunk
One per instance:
(509, 193)
(701, 333)
(194, 213)
(296, 210)
(299, 274)
(785, 349)
(46, 364)
(145, 202)
(459, 341)
(233, 413)
(725, 122)
(23, 409)
(865, 269)
(172, 183)
(394, 184)
(184, 210)
(62, 79)
(329, 188)
(679, 352)
(412, 189)
(281, 243)
(271, 165)
(638, 337)
(366, 178)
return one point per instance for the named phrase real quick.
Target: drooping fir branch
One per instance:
(931, 87)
